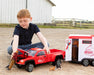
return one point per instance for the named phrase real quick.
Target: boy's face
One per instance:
(24, 22)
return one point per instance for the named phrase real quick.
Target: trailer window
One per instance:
(86, 42)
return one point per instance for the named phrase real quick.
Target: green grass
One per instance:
(46, 26)
(7, 25)
(67, 27)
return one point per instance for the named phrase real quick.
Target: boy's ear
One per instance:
(31, 18)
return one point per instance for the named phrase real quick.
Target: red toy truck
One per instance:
(80, 48)
(35, 56)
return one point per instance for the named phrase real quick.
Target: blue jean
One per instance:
(26, 47)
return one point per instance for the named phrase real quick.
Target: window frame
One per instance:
(86, 41)
(40, 53)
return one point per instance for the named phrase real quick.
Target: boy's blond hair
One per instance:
(24, 13)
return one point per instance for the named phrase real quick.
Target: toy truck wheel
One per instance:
(58, 63)
(29, 67)
(85, 62)
(92, 62)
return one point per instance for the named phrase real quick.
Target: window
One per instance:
(41, 53)
(86, 42)
(32, 52)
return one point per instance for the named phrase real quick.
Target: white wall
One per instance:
(9, 9)
(41, 10)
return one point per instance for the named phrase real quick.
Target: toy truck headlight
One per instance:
(21, 61)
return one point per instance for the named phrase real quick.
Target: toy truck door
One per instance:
(41, 57)
(68, 55)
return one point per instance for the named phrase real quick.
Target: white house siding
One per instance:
(40, 10)
(9, 9)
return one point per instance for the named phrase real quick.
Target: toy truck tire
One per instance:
(92, 62)
(58, 63)
(85, 62)
(29, 67)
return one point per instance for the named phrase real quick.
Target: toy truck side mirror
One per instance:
(25, 54)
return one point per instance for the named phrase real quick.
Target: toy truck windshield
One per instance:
(32, 52)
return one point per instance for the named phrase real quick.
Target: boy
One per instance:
(24, 32)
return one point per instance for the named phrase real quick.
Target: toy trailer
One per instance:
(80, 48)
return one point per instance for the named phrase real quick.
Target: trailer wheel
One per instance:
(85, 62)
(29, 67)
(58, 63)
(92, 62)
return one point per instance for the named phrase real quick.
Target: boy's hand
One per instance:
(47, 49)
(12, 54)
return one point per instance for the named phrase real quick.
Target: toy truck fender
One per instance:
(55, 57)
(57, 54)
(30, 61)
(26, 61)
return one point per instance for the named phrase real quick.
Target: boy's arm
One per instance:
(43, 40)
(15, 44)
